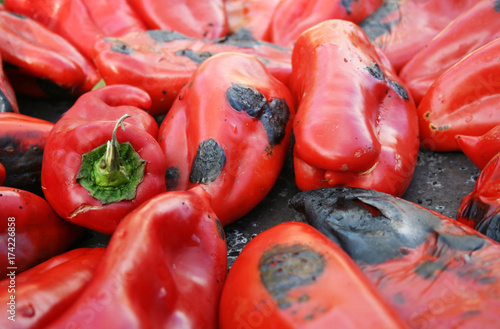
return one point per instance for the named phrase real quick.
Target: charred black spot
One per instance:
(208, 162)
(376, 24)
(377, 73)
(16, 15)
(5, 105)
(284, 267)
(243, 38)
(166, 36)
(194, 56)
(220, 229)
(399, 298)
(121, 47)
(275, 118)
(497, 6)
(347, 5)
(245, 98)
(477, 211)
(462, 242)
(52, 89)
(428, 269)
(172, 177)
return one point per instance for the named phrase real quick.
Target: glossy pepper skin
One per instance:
(164, 267)
(81, 22)
(22, 142)
(43, 292)
(161, 62)
(31, 232)
(8, 100)
(292, 276)
(35, 52)
(472, 29)
(356, 124)
(292, 17)
(480, 149)
(393, 26)
(3, 174)
(197, 19)
(462, 101)
(480, 209)
(97, 189)
(436, 272)
(229, 132)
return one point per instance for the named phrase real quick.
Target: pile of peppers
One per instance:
(183, 114)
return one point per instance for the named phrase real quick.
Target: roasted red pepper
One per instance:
(229, 132)
(43, 292)
(401, 28)
(33, 51)
(3, 174)
(81, 22)
(356, 124)
(480, 209)
(292, 276)
(94, 173)
(461, 37)
(161, 62)
(462, 101)
(22, 141)
(292, 17)
(480, 149)
(164, 267)
(436, 272)
(8, 100)
(194, 18)
(30, 231)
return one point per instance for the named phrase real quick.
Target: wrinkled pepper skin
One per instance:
(161, 62)
(8, 100)
(194, 18)
(89, 124)
(464, 100)
(480, 209)
(22, 142)
(292, 276)
(436, 272)
(480, 149)
(393, 26)
(292, 17)
(48, 289)
(32, 50)
(164, 267)
(81, 22)
(474, 28)
(31, 231)
(229, 131)
(356, 124)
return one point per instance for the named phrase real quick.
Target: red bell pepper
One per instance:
(39, 295)
(3, 174)
(462, 101)
(292, 17)
(93, 173)
(8, 100)
(81, 22)
(292, 276)
(229, 132)
(194, 18)
(22, 141)
(480, 209)
(480, 149)
(251, 15)
(401, 28)
(436, 272)
(30, 231)
(356, 124)
(161, 62)
(461, 37)
(34, 51)
(164, 267)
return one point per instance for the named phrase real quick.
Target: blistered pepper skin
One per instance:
(229, 131)
(435, 271)
(293, 277)
(356, 124)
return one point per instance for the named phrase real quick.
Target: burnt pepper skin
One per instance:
(161, 62)
(164, 267)
(393, 26)
(356, 124)
(462, 101)
(48, 289)
(292, 276)
(480, 149)
(22, 142)
(229, 131)
(97, 168)
(459, 38)
(435, 271)
(292, 17)
(31, 232)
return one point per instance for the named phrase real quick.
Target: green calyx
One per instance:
(111, 172)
